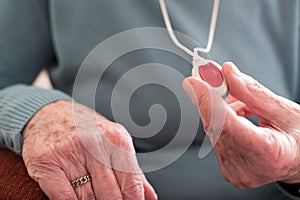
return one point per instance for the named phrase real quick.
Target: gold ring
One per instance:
(81, 181)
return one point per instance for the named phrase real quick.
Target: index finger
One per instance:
(130, 177)
(127, 172)
(133, 184)
(210, 107)
(258, 98)
(104, 182)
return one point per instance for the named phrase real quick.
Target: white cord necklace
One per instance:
(205, 69)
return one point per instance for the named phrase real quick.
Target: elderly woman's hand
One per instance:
(250, 155)
(58, 149)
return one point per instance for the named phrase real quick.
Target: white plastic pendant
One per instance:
(210, 72)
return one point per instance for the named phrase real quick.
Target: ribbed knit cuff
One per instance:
(18, 104)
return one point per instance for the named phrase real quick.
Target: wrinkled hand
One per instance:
(54, 154)
(250, 155)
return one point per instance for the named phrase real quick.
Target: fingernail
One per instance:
(189, 89)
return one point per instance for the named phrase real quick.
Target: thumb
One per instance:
(258, 98)
(216, 115)
(198, 92)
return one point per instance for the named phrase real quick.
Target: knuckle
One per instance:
(134, 190)
(118, 135)
(252, 84)
(245, 182)
(121, 130)
(112, 129)
(255, 87)
(120, 126)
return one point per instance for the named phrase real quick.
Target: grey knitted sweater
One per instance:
(260, 36)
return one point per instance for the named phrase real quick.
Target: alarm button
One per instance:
(211, 74)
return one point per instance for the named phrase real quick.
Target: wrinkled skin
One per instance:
(54, 155)
(250, 155)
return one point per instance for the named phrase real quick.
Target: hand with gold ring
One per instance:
(71, 160)
(80, 181)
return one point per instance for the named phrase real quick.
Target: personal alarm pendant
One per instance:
(208, 70)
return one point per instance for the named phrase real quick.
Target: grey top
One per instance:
(260, 36)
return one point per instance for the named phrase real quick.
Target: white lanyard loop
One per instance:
(212, 29)
(207, 70)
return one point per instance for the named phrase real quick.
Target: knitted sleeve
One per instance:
(17, 105)
(25, 48)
